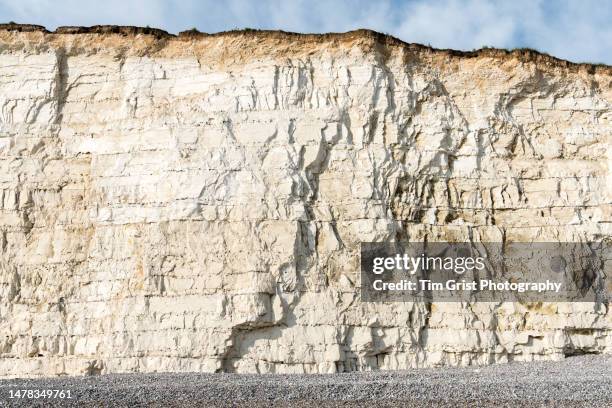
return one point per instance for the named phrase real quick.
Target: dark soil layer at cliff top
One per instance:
(524, 54)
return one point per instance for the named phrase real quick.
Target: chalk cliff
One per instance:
(196, 202)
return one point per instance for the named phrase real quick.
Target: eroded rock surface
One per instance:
(196, 203)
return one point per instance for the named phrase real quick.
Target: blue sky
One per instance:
(579, 30)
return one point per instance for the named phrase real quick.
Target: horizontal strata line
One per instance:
(147, 205)
(467, 224)
(578, 206)
(502, 180)
(299, 171)
(403, 208)
(143, 205)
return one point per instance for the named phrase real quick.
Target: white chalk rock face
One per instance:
(196, 203)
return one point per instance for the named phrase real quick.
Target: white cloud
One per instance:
(460, 24)
(53, 13)
(579, 31)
